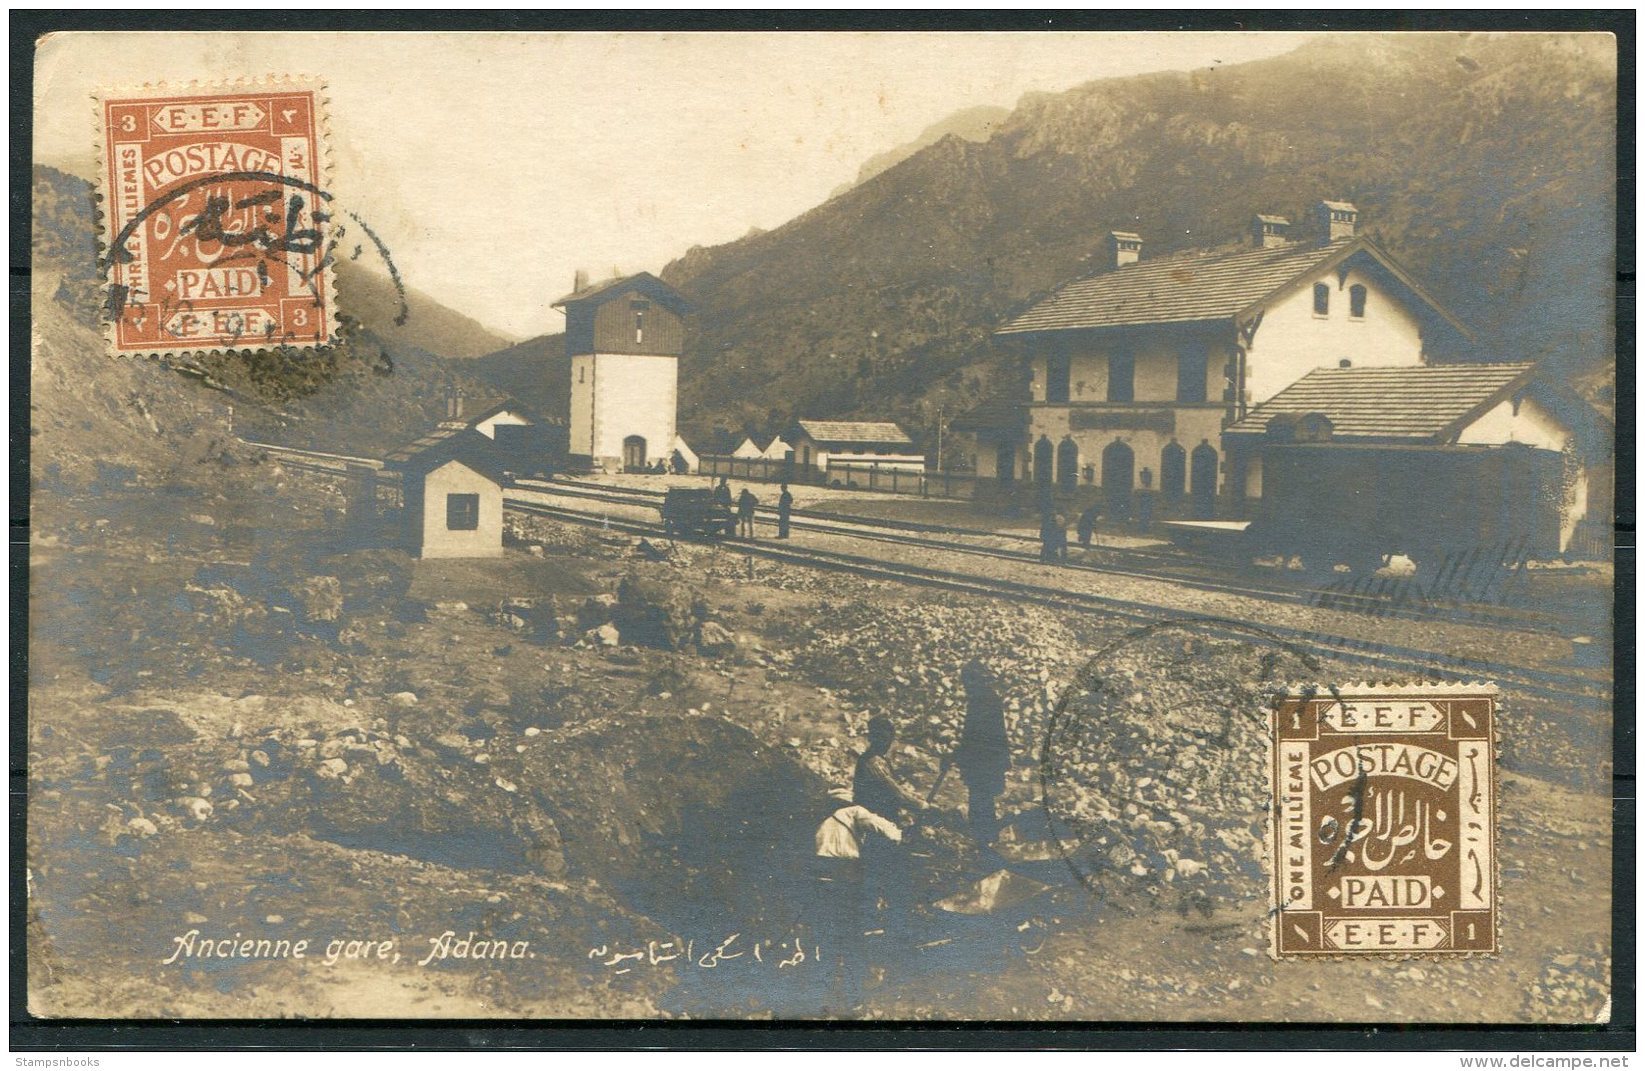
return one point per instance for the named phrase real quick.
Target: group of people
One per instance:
(862, 871)
(1054, 532)
(742, 510)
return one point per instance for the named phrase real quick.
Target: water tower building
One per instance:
(624, 338)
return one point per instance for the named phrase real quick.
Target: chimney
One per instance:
(1125, 247)
(1338, 220)
(1270, 232)
(579, 281)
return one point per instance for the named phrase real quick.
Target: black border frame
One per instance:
(30, 1034)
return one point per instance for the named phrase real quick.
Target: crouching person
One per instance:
(840, 911)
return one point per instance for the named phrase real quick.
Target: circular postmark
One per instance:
(250, 233)
(1154, 764)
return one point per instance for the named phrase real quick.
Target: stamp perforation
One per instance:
(321, 279)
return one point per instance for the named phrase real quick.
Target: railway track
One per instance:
(907, 534)
(1549, 684)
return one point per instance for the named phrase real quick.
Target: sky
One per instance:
(495, 165)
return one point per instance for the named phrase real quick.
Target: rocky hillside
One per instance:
(1483, 162)
(971, 124)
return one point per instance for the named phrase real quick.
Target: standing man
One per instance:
(1053, 537)
(1087, 525)
(983, 754)
(746, 503)
(722, 498)
(785, 507)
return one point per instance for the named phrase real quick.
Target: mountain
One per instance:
(1485, 163)
(372, 298)
(534, 373)
(381, 385)
(971, 124)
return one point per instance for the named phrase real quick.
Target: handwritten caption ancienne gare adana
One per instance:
(193, 946)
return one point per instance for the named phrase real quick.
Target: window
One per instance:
(1056, 376)
(1122, 375)
(462, 512)
(1191, 368)
(639, 305)
(1322, 299)
(1356, 302)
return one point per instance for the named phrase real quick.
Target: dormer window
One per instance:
(1322, 299)
(1356, 302)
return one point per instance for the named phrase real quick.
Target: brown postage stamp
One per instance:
(1384, 826)
(215, 220)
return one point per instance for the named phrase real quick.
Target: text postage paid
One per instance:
(1384, 822)
(215, 220)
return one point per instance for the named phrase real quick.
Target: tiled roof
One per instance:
(1195, 286)
(854, 431)
(643, 281)
(508, 405)
(448, 442)
(1426, 403)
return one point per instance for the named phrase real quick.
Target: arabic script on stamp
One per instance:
(1384, 827)
(215, 228)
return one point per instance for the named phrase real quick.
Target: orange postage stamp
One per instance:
(1384, 829)
(215, 222)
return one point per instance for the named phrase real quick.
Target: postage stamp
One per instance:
(215, 219)
(1384, 821)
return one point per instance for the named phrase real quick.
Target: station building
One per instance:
(1478, 407)
(1131, 374)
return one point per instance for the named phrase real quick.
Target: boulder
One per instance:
(403, 700)
(195, 807)
(715, 639)
(650, 614)
(321, 599)
(606, 635)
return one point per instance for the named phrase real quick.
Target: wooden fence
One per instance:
(866, 477)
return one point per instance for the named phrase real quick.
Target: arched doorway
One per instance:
(1005, 463)
(1043, 459)
(634, 452)
(1173, 470)
(1118, 472)
(1068, 464)
(1203, 481)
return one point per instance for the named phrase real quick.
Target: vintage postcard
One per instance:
(1082, 527)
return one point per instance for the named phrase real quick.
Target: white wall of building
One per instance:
(1532, 424)
(438, 541)
(1529, 423)
(615, 395)
(582, 406)
(488, 426)
(1293, 341)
